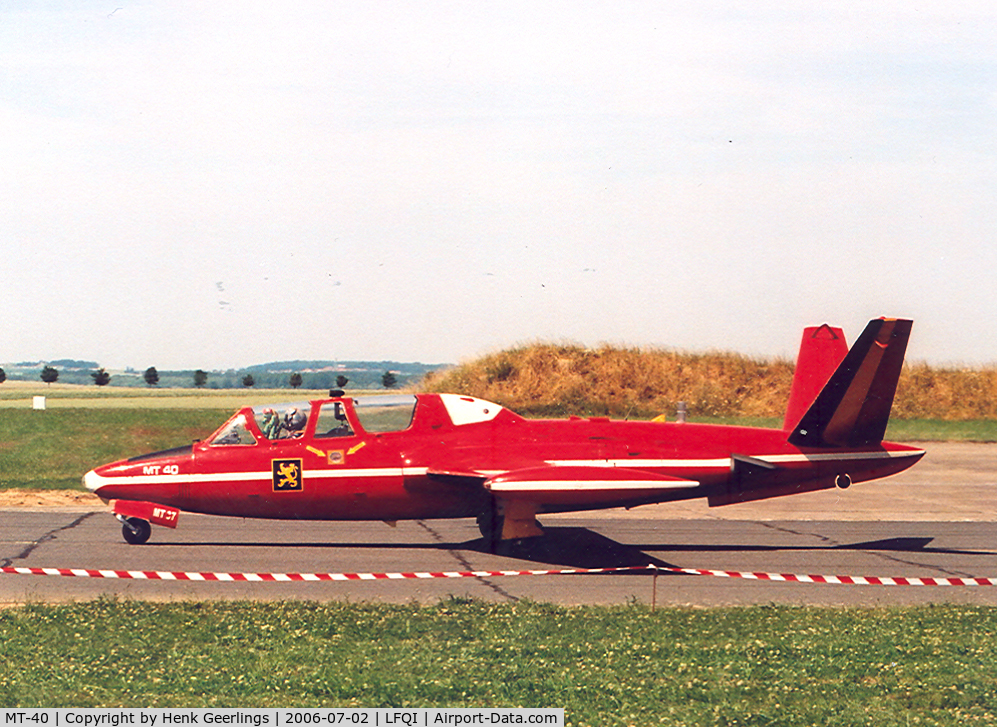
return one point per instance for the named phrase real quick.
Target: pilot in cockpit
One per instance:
(294, 422)
(271, 424)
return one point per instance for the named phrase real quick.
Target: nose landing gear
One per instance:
(135, 530)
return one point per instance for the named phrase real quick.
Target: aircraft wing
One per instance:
(582, 485)
(457, 475)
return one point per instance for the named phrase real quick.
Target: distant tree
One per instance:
(49, 375)
(388, 379)
(151, 376)
(342, 381)
(294, 380)
(200, 378)
(3, 376)
(248, 380)
(101, 377)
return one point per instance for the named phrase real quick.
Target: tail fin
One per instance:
(854, 406)
(821, 351)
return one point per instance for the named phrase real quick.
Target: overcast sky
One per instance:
(221, 184)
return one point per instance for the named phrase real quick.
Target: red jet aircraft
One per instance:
(429, 456)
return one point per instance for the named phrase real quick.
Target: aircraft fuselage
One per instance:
(434, 468)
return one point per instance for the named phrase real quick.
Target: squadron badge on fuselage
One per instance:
(287, 475)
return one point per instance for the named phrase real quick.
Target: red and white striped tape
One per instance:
(311, 577)
(146, 575)
(838, 580)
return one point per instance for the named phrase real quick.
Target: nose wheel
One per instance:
(135, 530)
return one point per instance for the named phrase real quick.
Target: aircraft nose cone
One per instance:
(92, 481)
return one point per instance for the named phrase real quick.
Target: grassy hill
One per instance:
(557, 380)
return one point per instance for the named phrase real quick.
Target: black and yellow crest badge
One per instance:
(287, 475)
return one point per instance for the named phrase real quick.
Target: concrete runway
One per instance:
(936, 520)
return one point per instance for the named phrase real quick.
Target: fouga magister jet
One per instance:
(426, 456)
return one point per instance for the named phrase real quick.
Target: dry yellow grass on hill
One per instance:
(555, 380)
(953, 394)
(547, 379)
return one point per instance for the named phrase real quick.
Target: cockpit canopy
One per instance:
(334, 418)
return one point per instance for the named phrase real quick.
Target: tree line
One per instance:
(199, 379)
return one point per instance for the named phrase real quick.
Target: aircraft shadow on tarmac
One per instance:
(578, 547)
(571, 547)
(582, 548)
(897, 545)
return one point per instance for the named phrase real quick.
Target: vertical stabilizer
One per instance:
(821, 351)
(853, 408)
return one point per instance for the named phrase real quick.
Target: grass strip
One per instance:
(74, 397)
(53, 449)
(624, 665)
(899, 430)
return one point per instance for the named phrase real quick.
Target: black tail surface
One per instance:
(854, 406)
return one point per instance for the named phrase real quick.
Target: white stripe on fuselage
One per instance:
(94, 481)
(639, 464)
(839, 457)
(583, 485)
(726, 462)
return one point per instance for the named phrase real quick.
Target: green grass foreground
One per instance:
(623, 665)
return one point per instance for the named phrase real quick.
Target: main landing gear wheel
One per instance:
(494, 522)
(135, 531)
(490, 526)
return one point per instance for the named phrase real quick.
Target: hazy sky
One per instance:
(220, 184)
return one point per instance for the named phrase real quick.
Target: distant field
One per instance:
(899, 430)
(939, 430)
(53, 449)
(82, 428)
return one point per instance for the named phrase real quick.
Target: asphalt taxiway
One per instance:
(937, 520)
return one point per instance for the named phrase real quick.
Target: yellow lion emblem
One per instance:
(287, 474)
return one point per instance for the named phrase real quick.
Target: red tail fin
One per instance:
(821, 350)
(853, 409)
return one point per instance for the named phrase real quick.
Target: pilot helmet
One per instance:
(294, 418)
